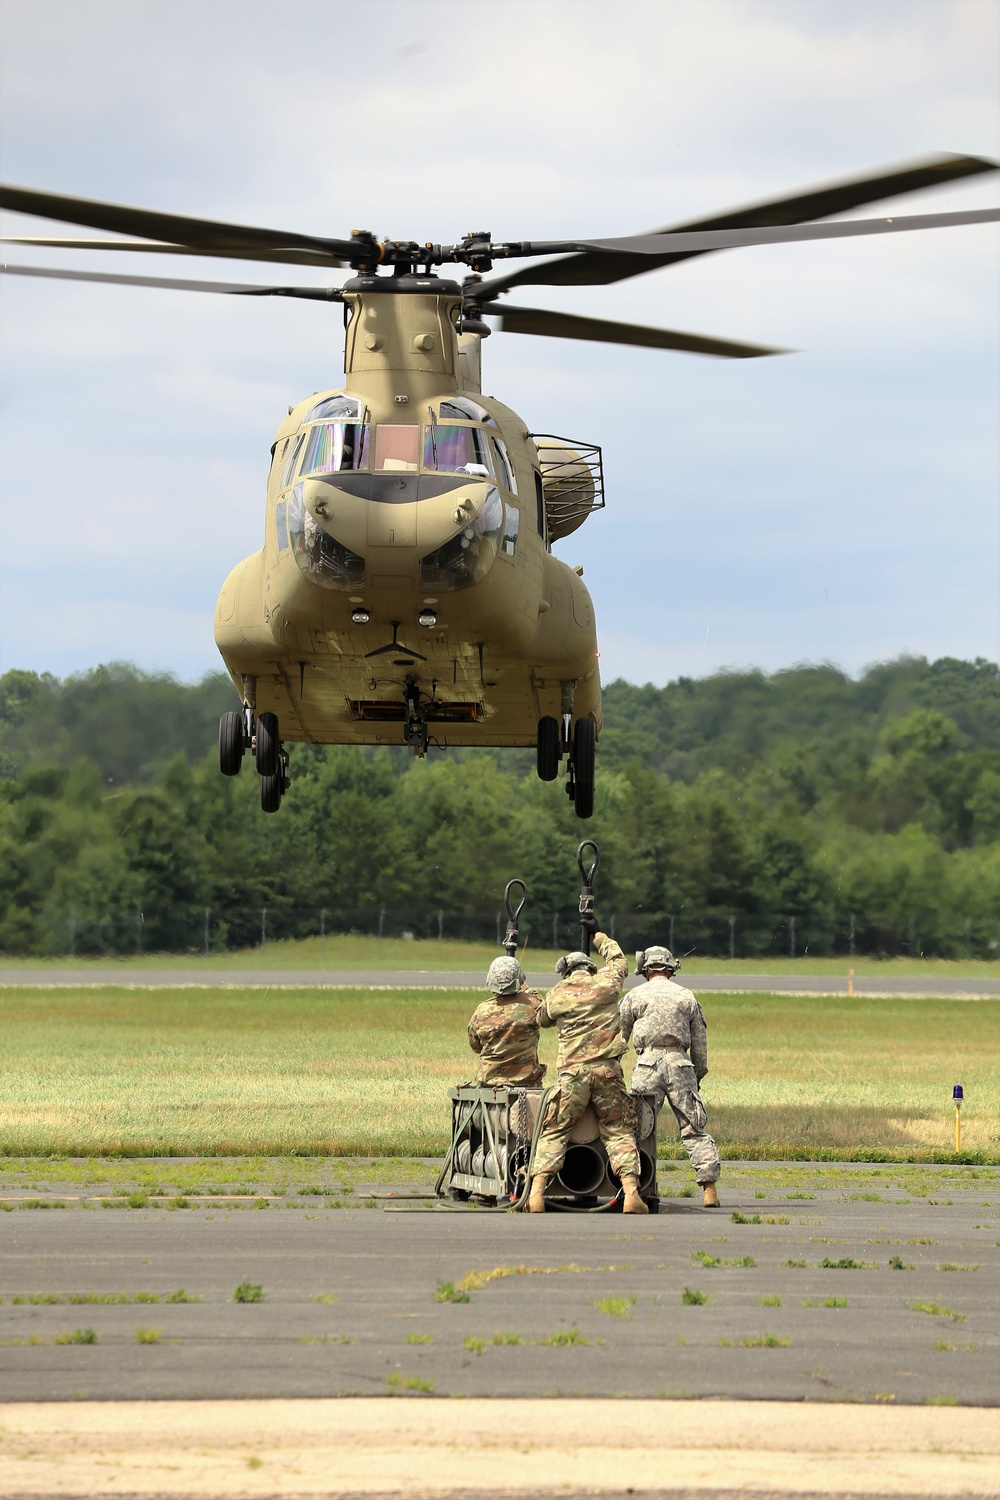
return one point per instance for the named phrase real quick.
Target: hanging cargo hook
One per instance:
(587, 890)
(513, 914)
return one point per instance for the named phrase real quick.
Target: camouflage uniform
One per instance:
(666, 1023)
(584, 1006)
(504, 1031)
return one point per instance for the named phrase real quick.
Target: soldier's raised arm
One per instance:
(614, 959)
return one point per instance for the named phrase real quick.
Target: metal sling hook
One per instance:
(587, 890)
(513, 914)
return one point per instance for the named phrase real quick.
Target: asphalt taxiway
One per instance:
(891, 1295)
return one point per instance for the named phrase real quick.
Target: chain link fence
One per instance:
(725, 935)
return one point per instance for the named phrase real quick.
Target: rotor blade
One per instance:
(171, 284)
(568, 326)
(731, 239)
(159, 247)
(598, 268)
(206, 235)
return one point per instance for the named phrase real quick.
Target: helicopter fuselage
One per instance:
(407, 551)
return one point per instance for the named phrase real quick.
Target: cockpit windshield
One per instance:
(334, 446)
(457, 450)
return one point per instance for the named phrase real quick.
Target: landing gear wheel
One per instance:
(584, 760)
(271, 788)
(549, 748)
(268, 745)
(232, 742)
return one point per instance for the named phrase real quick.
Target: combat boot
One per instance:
(633, 1203)
(536, 1200)
(710, 1198)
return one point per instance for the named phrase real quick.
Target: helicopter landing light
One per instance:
(360, 616)
(427, 618)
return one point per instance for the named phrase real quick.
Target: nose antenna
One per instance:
(587, 888)
(513, 914)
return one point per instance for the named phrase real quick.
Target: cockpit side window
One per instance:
(291, 461)
(540, 508)
(504, 467)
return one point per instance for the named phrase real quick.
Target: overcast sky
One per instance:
(839, 503)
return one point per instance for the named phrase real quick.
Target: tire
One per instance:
(270, 793)
(268, 745)
(549, 748)
(584, 761)
(232, 742)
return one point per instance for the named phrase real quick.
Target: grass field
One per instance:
(354, 951)
(218, 1072)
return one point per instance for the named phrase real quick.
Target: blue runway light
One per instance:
(957, 1093)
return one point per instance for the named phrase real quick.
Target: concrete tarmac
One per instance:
(817, 1294)
(514, 1450)
(797, 984)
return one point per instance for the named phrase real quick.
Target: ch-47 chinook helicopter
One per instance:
(406, 590)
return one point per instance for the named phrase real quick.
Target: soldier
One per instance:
(504, 1029)
(666, 1023)
(584, 1006)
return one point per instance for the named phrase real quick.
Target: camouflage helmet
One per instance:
(657, 958)
(573, 961)
(505, 976)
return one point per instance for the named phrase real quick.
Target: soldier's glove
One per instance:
(590, 925)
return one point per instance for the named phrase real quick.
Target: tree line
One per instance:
(743, 812)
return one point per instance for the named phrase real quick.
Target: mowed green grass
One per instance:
(362, 1072)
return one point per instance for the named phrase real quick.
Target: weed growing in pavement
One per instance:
(940, 1401)
(947, 1265)
(180, 1296)
(800, 1195)
(768, 1301)
(847, 1263)
(447, 1292)
(147, 1335)
(418, 1338)
(954, 1348)
(937, 1310)
(764, 1341)
(719, 1260)
(325, 1297)
(565, 1338)
(248, 1291)
(397, 1382)
(798, 1265)
(615, 1307)
(78, 1336)
(824, 1301)
(693, 1298)
(326, 1338)
(474, 1344)
(739, 1218)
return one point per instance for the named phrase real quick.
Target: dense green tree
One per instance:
(773, 813)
